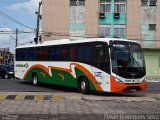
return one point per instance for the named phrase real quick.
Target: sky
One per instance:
(24, 12)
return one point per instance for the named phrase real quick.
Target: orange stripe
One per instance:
(83, 69)
(36, 66)
(89, 75)
(62, 76)
(44, 75)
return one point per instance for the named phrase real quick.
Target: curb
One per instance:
(156, 81)
(55, 98)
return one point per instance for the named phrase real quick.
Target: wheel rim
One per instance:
(6, 76)
(83, 86)
(34, 80)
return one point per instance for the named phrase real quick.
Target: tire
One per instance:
(35, 79)
(6, 76)
(84, 86)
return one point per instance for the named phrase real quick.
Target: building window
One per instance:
(148, 2)
(104, 31)
(105, 8)
(77, 2)
(152, 26)
(73, 2)
(144, 2)
(104, 1)
(119, 7)
(153, 2)
(81, 2)
(119, 31)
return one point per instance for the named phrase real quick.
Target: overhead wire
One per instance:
(9, 35)
(14, 20)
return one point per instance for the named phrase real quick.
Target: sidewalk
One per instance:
(76, 106)
(153, 79)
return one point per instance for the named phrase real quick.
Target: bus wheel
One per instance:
(84, 86)
(35, 79)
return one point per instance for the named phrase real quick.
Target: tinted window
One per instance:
(54, 53)
(101, 57)
(17, 54)
(84, 53)
(72, 54)
(42, 54)
(21, 55)
(64, 54)
(32, 54)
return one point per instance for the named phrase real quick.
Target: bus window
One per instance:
(22, 55)
(84, 53)
(42, 54)
(32, 54)
(101, 58)
(72, 54)
(54, 54)
(64, 54)
(17, 55)
(25, 55)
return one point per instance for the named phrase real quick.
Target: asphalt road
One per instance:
(17, 85)
(73, 105)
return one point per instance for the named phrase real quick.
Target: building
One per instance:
(6, 57)
(132, 19)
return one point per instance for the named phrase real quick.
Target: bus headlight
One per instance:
(10, 72)
(144, 80)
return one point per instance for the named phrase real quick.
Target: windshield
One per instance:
(127, 60)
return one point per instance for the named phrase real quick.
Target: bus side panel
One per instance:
(59, 73)
(102, 78)
(20, 69)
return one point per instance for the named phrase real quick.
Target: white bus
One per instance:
(97, 64)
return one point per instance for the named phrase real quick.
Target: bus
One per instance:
(97, 64)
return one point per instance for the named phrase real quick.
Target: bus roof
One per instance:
(68, 41)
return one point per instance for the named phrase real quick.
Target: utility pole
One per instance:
(36, 39)
(16, 37)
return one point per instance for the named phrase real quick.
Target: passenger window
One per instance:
(42, 54)
(101, 57)
(64, 54)
(84, 54)
(54, 54)
(72, 54)
(32, 54)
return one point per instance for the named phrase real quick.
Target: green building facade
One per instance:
(112, 18)
(113, 22)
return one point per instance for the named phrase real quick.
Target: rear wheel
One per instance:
(84, 86)
(35, 79)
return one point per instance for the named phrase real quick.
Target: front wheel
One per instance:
(35, 80)
(84, 86)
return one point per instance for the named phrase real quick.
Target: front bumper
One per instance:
(123, 87)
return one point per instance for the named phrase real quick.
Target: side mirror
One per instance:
(110, 44)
